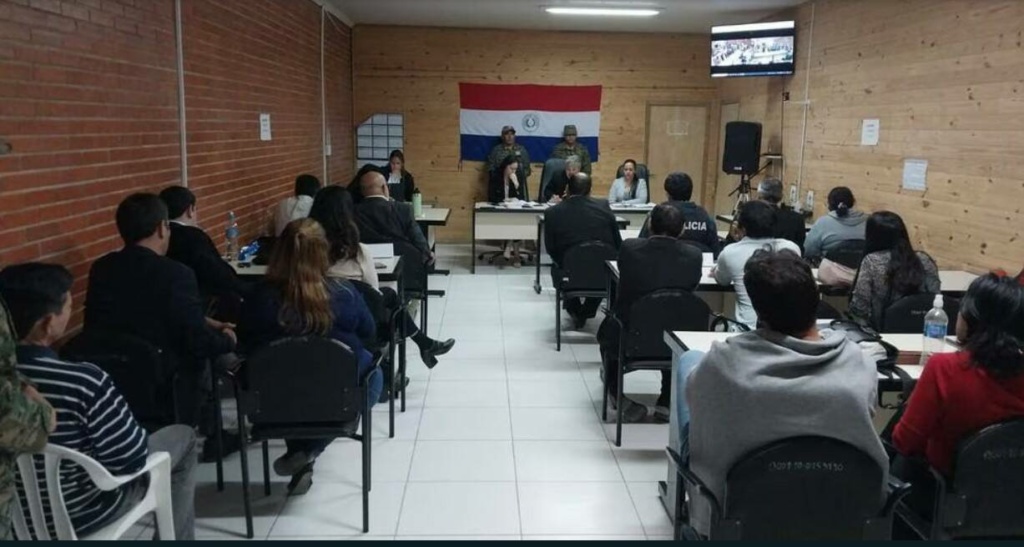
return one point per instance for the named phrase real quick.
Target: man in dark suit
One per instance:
(789, 224)
(578, 219)
(660, 261)
(383, 220)
(139, 291)
(556, 187)
(191, 246)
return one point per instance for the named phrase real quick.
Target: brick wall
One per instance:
(89, 103)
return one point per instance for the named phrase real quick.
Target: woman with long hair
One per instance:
(629, 188)
(960, 393)
(352, 260)
(506, 186)
(297, 298)
(401, 184)
(891, 269)
(842, 223)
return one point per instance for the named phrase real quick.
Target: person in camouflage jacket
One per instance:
(569, 147)
(508, 146)
(26, 420)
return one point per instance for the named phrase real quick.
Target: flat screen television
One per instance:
(759, 49)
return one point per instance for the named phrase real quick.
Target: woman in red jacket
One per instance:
(961, 393)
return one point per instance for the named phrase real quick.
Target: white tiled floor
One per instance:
(502, 440)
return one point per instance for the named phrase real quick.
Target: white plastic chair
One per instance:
(157, 499)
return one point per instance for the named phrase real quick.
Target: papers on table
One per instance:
(709, 260)
(381, 250)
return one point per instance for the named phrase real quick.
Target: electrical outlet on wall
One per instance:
(809, 203)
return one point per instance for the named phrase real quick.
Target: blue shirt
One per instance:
(92, 418)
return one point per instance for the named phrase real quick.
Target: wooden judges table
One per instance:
(909, 346)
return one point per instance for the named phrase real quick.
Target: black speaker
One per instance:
(742, 154)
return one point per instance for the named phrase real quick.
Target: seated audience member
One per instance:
(555, 190)
(578, 219)
(756, 221)
(27, 421)
(783, 380)
(661, 261)
(890, 269)
(842, 223)
(505, 186)
(297, 206)
(698, 226)
(401, 185)
(628, 188)
(383, 220)
(789, 224)
(192, 247)
(961, 393)
(297, 298)
(139, 291)
(352, 260)
(92, 417)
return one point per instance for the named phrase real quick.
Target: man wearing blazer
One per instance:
(383, 220)
(660, 261)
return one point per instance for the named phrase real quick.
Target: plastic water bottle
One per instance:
(231, 234)
(936, 322)
(417, 203)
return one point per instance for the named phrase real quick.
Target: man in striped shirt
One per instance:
(92, 417)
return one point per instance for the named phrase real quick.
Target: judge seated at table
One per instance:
(785, 379)
(578, 219)
(661, 261)
(555, 190)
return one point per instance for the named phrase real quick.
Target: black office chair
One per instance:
(583, 275)
(800, 488)
(641, 173)
(641, 337)
(906, 315)
(414, 278)
(321, 402)
(848, 253)
(984, 497)
(551, 168)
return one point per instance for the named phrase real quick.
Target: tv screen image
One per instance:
(762, 49)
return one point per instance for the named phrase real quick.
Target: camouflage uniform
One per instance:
(23, 422)
(500, 152)
(562, 150)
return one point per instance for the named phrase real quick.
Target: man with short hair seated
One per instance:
(578, 219)
(92, 417)
(383, 220)
(698, 226)
(789, 224)
(661, 261)
(556, 188)
(296, 206)
(785, 379)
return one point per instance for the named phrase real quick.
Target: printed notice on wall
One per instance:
(869, 132)
(264, 127)
(914, 174)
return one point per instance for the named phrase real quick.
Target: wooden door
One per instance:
(725, 183)
(676, 141)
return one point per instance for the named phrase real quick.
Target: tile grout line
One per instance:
(511, 430)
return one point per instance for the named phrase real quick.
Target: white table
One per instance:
(385, 269)
(432, 217)
(629, 233)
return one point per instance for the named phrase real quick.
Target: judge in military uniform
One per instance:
(569, 147)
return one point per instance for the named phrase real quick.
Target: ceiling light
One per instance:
(611, 12)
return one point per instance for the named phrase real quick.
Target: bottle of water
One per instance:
(417, 203)
(935, 325)
(231, 234)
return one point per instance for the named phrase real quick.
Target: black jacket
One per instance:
(403, 190)
(698, 226)
(556, 186)
(192, 247)
(646, 265)
(790, 225)
(138, 292)
(496, 190)
(576, 220)
(386, 221)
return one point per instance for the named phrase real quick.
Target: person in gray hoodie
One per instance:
(840, 224)
(783, 380)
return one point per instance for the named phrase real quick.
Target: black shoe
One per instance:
(229, 445)
(429, 354)
(579, 322)
(385, 396)
(632, 411)
(301, 481)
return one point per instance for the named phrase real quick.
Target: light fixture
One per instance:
(609, 12)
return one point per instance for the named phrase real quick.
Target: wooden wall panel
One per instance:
(416, 71)
(946, 80)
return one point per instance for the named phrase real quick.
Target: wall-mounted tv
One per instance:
(759, 49)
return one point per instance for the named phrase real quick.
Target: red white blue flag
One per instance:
(537, 112)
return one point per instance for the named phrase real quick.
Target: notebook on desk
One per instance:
(381, 250)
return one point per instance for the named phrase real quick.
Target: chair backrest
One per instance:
(302, 380)
(414, 270)
(142, 372)
(847, 253)
(664, 310)
(986, 494)
(641, 173)
(584, 266)
(906, 315)
(551, 167)
(804, 488)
